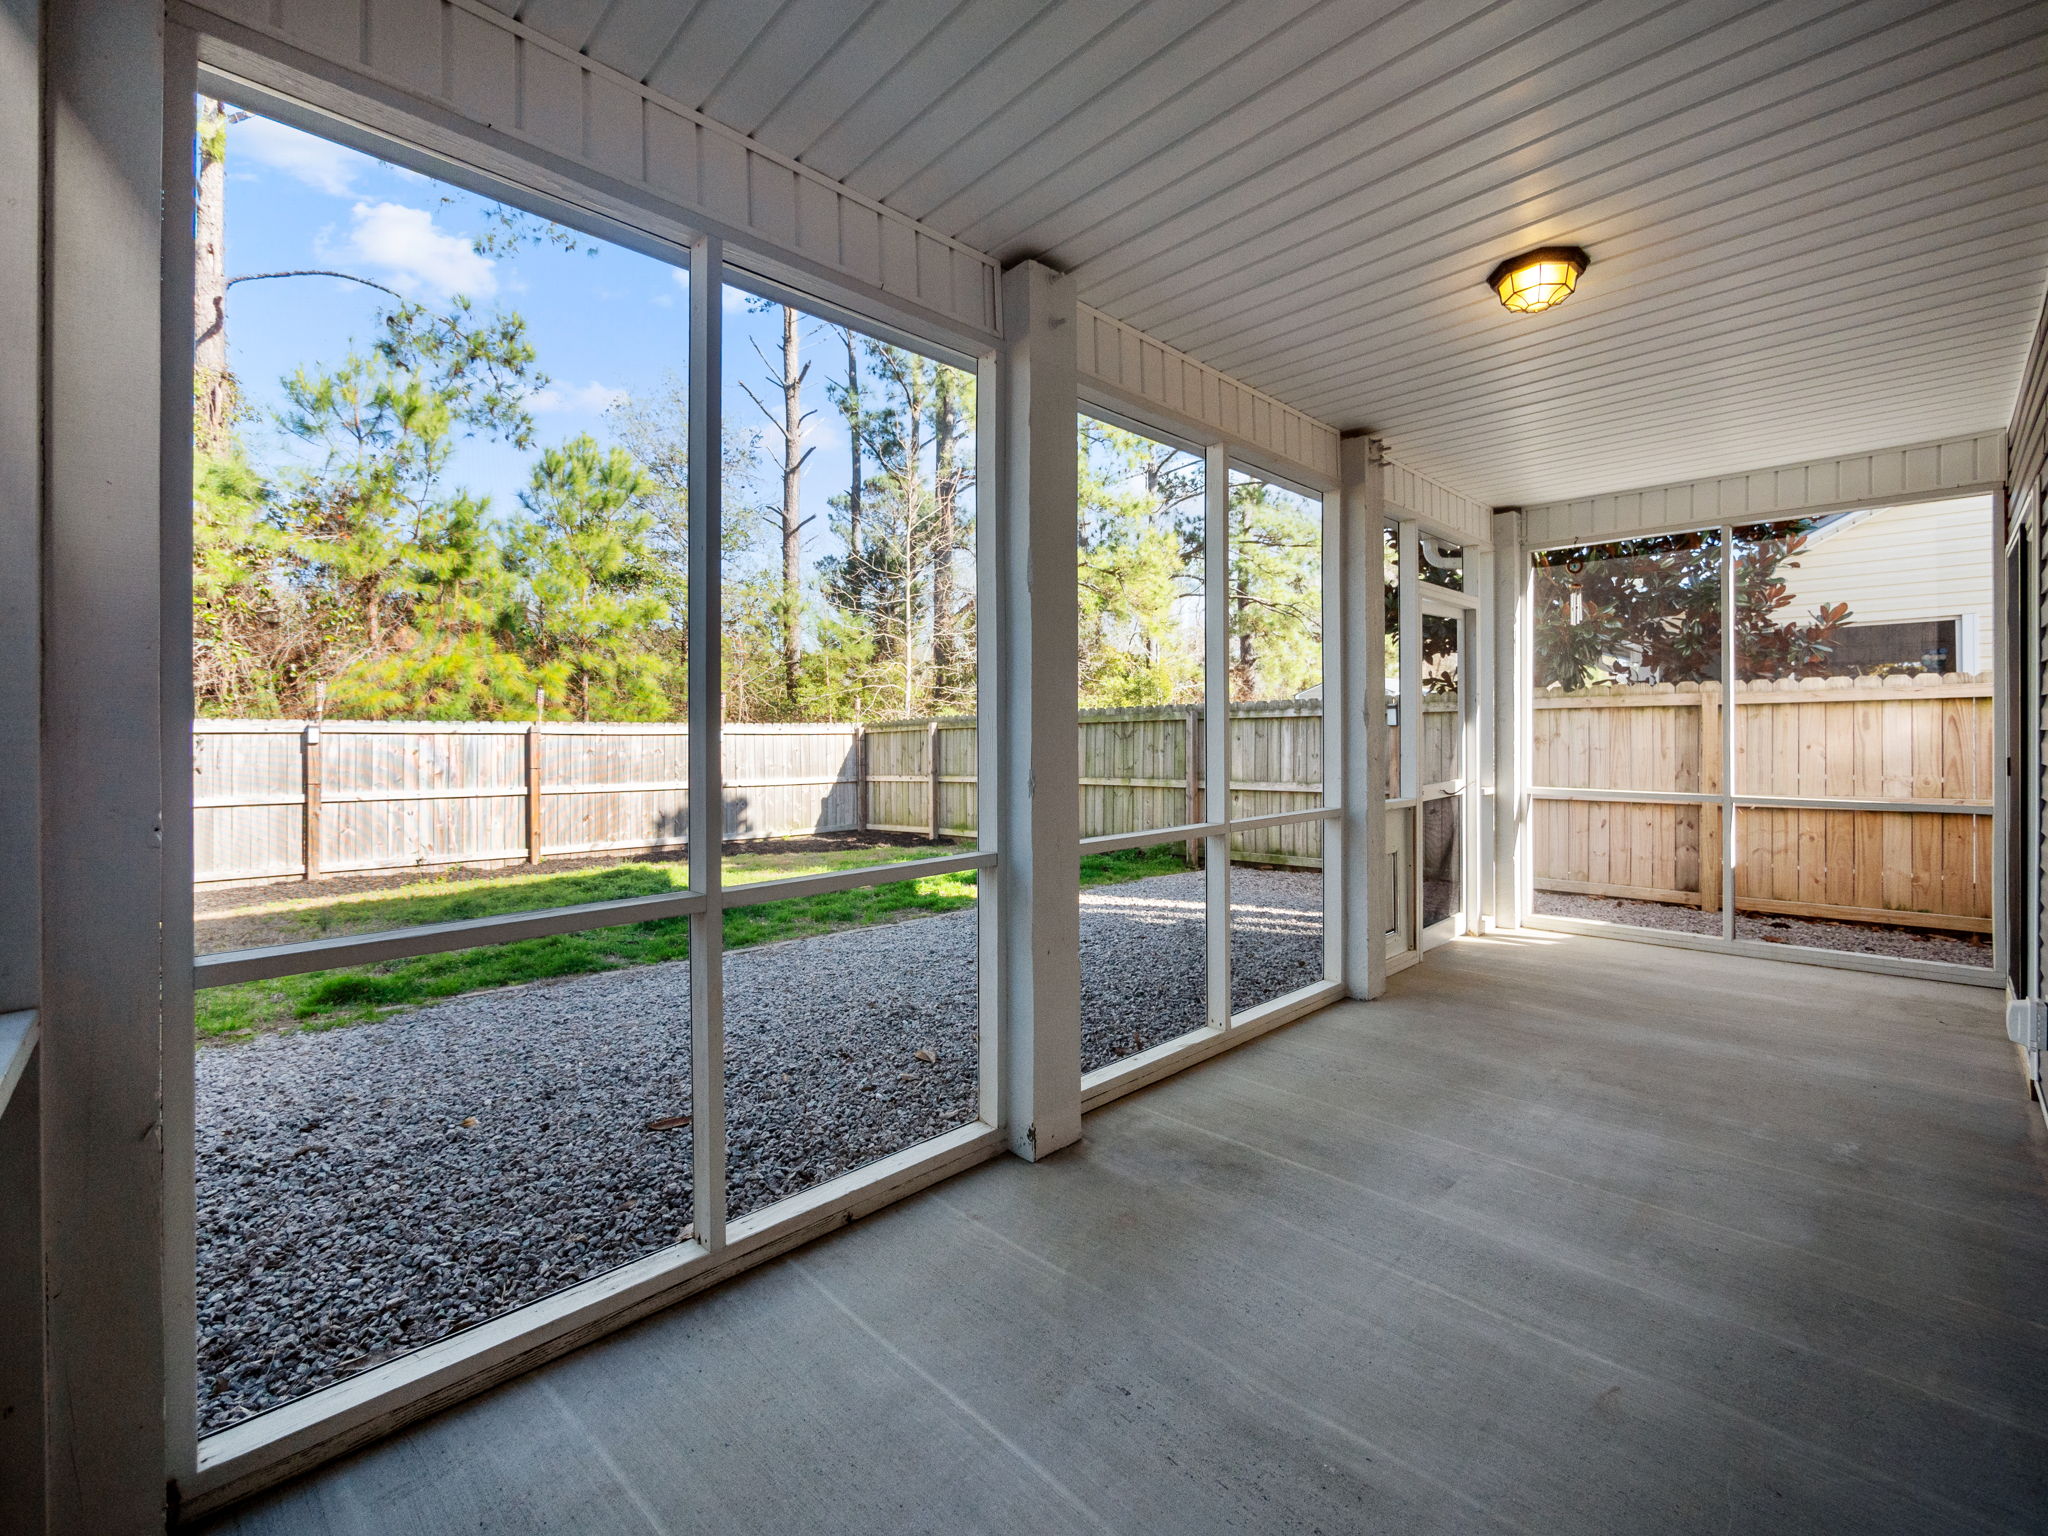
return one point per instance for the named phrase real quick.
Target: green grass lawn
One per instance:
(327, 999)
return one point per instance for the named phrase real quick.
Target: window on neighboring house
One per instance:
(1926, 645)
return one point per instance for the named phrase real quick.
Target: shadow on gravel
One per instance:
(365, 1191)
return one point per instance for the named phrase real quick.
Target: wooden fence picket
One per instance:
(284, 799)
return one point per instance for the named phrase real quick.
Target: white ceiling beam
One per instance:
(1911, 472)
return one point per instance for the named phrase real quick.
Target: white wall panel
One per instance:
(1975, 462)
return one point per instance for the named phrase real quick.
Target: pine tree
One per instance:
(1275, 598)
(1138, 556)
(405, 566)
(594, 583)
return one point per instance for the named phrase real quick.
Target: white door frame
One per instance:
(1442, 603)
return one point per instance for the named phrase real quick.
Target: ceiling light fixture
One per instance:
(1540, 279)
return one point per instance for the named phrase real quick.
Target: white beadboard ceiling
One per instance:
(1816, 228)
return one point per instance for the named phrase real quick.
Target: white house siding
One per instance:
(1923, 560)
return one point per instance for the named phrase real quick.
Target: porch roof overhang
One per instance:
(1816, 231)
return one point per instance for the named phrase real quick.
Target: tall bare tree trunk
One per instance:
(913, 518)
(856, 558)
(946, 489)
(213, 386)
(793, 458)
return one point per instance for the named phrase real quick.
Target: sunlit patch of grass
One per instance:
(328, 999)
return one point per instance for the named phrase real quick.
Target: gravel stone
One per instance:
(1811, 933)
(366, 1190)
(1144, 954)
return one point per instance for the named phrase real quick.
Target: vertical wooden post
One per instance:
(1193, 756)
(111, 1014)
(22, 1437)
(1216, 746)
(533, 854)
(931, 793)
(860, 778)
(310, 775)
(533, 784)
(1711, 830)
(1028, 780)
(707, 749)
(1356, 714)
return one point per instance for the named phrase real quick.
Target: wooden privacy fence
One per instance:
(1140, 769)
(1923, 743)
(277, 799)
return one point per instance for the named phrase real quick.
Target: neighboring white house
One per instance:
(1917, 579)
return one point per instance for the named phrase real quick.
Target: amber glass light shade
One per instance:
(1538, 280)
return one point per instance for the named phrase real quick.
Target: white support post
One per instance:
(1731, 673)
(1338, 747)
(21, 1248)
(707, 752)
(103, 965)
(1358, 717)
(1409, 598)
(2001, 738)
(1036, 805)
(179, 1084)
(1510, 713)
(1216, 722)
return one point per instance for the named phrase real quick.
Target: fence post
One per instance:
(1192, 756)
(309, 773)
(860, 777)
(533, 833)
(1711, 816)
(931, 750)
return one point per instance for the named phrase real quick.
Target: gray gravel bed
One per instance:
(1811, 933)
(366, 1190)
(1144, 957)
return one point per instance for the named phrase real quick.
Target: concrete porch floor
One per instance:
(1565, 1234)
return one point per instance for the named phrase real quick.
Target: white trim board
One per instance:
(1436, 507)
(1916, 470)
(1134, 370)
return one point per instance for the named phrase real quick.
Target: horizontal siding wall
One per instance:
(1969, 463)
(2030, 416)
(1923, 560)
(486, 68)
(2026, 472)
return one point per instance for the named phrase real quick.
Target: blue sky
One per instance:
(605, 325)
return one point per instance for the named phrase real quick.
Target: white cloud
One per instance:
(316, 162)
(406, 249)
(592, 398)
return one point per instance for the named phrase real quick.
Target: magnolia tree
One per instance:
(1649, 610)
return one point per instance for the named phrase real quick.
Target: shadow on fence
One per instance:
(281, 799)
(1922, 745)
(277, 799)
